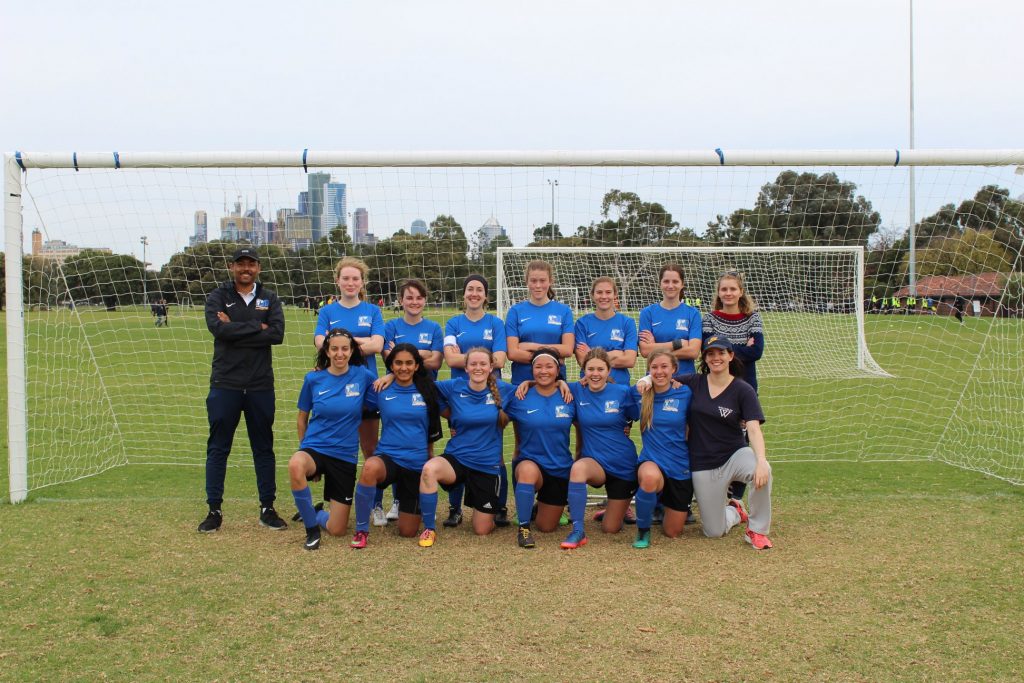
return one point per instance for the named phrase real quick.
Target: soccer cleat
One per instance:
(738, 504)
(629, 518)
(525, 538)
(297, 516)
(501, 519)
(643, 539)
(312, 538)
(393, 512)
(564, 520)
(659, 515)
(427, 538)
(599, 515)
(359, 540)
(454, 518)
(759, 541)
(211, 523)
(577, 539)
(378, 517)
(270, 519)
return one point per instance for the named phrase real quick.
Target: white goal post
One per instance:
(864, 358)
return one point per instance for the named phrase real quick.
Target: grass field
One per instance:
(882, 570)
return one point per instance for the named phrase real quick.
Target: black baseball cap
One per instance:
(245, 252)
(717, 342)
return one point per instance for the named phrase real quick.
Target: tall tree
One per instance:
(628, 222)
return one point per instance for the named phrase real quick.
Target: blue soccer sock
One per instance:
(364, 503)
(428, 509)
(503, 485)
(524, 502)
(454, 497)
(321, 518)
(645, 502)
(304, 504)
(577, 504)
(378, 498)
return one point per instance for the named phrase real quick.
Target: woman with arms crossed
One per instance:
(608, 329)
(671, 325)
(537, 322)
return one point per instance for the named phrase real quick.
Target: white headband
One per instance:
(543, 355)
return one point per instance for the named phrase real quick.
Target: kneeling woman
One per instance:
(722, 405)
(473, 454)
(664, 458)
(606, 455)
(411, 422)
(330, 410)
(543, 419)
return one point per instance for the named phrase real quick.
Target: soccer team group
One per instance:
(700, 432)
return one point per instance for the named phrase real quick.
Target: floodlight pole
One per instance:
(145, 241)
(553, 184)
(912, 235)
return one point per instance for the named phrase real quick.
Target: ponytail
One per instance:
(647, 400)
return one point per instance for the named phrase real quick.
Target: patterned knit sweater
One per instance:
(738, 329)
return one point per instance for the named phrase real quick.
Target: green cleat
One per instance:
(643, 539)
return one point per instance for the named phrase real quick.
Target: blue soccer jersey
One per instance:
(602, 418)
(539, 325)
(335, 405)
(474, 420)
(682, 322)
(664, 443)
(618, 333)
(488, 332)
(362, 320)
(404, 424)
(424, 335)
(544, 423)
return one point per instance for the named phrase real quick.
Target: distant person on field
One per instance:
(958, 309)
(246, 319)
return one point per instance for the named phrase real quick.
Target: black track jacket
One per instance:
(241, 349)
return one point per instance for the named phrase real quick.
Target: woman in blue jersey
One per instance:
(537, 322)
(541, 469)
(352, 312)
(472, 457)
(664, 458)
(608, 329)
(411, 422)
(606, 456)
(476, 328)
(330, 409)
(671, 325)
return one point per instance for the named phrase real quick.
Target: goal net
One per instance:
(865, 357)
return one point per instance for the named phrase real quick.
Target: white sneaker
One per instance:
(393, 512)
(377, 516)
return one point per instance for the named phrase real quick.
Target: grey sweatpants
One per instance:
(711, 490)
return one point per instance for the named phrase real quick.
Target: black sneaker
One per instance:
(454, 518)
(211, 523)
(501, 519)
(312, 538)
(525, 538)
(270, 519)
(298, 515)
(658, 515)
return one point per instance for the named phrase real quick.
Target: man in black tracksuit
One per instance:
(245, 319)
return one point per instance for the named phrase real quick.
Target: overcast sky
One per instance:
(103, 75)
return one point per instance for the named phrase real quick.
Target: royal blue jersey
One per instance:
(488, 332)
(362, 320)
(665, 442)
(682, 322)
(544, 423)
(425, 335)
(335, 405)
(539, 325)
(474, 420)
(618, 333)
(602, 418)
(404, 424)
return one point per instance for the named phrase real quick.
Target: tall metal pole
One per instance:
(553, 184)
(912, 218)
(145, 241)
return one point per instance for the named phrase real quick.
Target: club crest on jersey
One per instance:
(724, 412)
(682, 325)
(562, 411)
(424, 338)
(671, 405)
(417, 400)
(611, 406)
(352, 389)
(364, 321)
(262, 304)
(554, 320)
(616, 335)
(488, 335)
(489, 400)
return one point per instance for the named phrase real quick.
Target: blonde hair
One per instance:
(492, 383)
(597, 353)
(647, 402)
(537, 264)
(746, 302)
(358, 264)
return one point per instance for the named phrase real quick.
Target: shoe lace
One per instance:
(524, 533)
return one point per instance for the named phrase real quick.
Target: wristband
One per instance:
(677, 344)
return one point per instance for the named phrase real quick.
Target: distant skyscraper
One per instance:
(491, 229)
(335, 206)
(199, 234)
(257, 227)
(37, 242)
(316, 182)
(418, 227)
(360, 226)
(304, 203)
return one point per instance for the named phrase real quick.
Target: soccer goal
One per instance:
(866, 356)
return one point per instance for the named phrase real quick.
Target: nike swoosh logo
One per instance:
(655, 324)
(584, 404)
(321, 393)
(399, 336)
(230, 305)
(334, 322)
(463, 395)
(460, 334)
(591, 334)
(389, 398)
(523, 320)
(531, 412)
